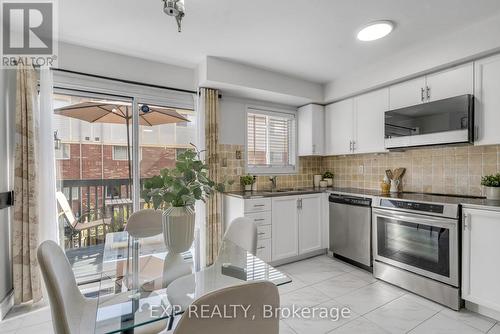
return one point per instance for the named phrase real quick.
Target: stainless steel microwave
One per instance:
(442, 122)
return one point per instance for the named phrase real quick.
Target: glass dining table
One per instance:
(132, 292)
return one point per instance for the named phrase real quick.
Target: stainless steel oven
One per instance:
(416, 246)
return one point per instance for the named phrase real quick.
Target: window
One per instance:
(179, 151)
(63, 152)
(270, 146)
(120, 153)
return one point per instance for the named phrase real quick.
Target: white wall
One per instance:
(257, 83)
(93, 61)
(232, 115)
(473, 41)
(7, 118)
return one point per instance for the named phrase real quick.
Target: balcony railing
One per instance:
(109, 200)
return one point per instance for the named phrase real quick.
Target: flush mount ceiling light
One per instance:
(375, 30)
(174, 8)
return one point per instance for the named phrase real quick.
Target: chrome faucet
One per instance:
(274, 180)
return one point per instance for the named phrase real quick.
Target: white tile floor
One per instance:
(376, 307)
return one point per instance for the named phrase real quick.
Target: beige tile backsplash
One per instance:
(451, 170)
(233, 168)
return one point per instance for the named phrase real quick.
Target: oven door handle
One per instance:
(417, 219)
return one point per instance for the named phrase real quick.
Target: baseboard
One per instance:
(6, 304)
(482, 310)
(298, 258)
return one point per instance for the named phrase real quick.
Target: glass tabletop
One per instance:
(132, 292)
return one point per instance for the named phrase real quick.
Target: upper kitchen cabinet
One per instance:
(487, 107)
(408, 93)
(356, 125)
(339, 126)
(369, 121)
(451, 82)
(311, 126)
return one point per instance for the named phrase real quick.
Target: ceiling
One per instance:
(314, 40)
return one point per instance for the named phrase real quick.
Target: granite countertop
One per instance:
(468, 202)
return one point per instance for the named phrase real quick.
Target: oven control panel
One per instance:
(414, 206)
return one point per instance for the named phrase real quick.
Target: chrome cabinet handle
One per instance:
(428, 92)
(314, 148)
(422, 94)
(261, 233)
(353, 145)
(258, 205)
(262, 247)
(350, 146)
(258, 219)
(466, 221)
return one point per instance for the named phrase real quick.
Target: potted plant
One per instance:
(247, 181)
(492, 185)
(328, 177)
(175, 191)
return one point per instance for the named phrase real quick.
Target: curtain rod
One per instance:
(125, 81)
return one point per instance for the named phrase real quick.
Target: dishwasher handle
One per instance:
(350, 200)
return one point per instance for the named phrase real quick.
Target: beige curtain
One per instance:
(27, 284)
(210, 98)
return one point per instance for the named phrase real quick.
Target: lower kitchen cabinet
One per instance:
(285, 222)
(310, 223)
(480, 250)
(297, 225)
(287, 226)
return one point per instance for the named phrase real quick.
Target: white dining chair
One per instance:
(243, 232)
(257, 295)
(72, 313)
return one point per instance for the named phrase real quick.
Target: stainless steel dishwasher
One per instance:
(350, 229)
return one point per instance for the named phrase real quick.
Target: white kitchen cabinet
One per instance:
(311, 127)
(356, 125)
(452, 82)
(455, 81)
(407, 93)
(310, 227)
(480, 246)
(369, 121)
(487, 104)
(285, 227)
(339, 123)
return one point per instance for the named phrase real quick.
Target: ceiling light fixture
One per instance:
(375, 30)
(174, 8)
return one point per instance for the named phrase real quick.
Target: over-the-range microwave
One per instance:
(442, 122)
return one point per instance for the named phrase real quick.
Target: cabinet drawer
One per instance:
(257, 205)
(264, 250)
(264, 232)
(260, 218)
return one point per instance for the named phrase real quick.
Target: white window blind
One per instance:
(270, 141)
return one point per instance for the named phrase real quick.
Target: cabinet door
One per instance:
(480, 276)
(449, 83)
(285, 227)
(339, 122)
(408, 93)
(310, 224)
(487, 108)
(311, 126)
(369, 121)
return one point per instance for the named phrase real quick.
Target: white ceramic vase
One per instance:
(329, 181)
(493, 193)
(248, 187)
(178, 234)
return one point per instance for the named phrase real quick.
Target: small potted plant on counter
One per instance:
(247, 181)
(328, 177)
(492, 186)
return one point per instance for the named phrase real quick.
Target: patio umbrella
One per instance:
(120, 113)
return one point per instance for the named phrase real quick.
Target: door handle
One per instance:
(422, 94)
(428, 93)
